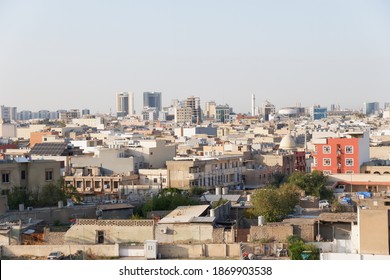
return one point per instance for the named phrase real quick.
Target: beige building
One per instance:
(374, 226)
(152, 153)
(186, 224)
(91, 181)
(88, 231)
(183, 115)
(153, 177)
(111, 161)
(7, 130)
(28, 174)
(187, 172)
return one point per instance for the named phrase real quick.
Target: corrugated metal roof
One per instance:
(213, 197)
(203, 220)
(49, 149)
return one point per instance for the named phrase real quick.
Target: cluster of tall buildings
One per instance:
(184, 111)
(9, 114)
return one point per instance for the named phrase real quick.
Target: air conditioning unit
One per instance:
(164, 230)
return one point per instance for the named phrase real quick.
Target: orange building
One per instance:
(343, 154)
(38, 137)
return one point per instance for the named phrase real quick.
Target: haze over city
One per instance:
(76, 54)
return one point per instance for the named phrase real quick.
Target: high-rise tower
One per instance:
(152, 100)
(124, 104)
(253, 105)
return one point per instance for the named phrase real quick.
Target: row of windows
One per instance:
(328, 149)
(6, 175)
(328, 162)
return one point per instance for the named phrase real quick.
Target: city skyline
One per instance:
(303, 52)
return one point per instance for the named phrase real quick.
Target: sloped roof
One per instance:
(338, 217)
(49, 149)
(184, 214)
(214, 197)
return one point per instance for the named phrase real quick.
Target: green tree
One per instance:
(18, 196)
(48, 195)
(279, 178)
(312, 183)
(298, 250)
(275, 203)
(168, 199)
(220, 202)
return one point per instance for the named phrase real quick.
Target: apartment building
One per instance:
(209, 172)
(344, 154)
(30, 175)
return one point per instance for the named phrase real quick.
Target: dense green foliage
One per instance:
(48, 195)
(312, 183)
(298, 250)
(168, 199)
(275, 203)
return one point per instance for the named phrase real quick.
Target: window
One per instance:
(23, 175)
(5, 177)
(49, 174)
(326, 149)
(315, 162)
(349, 149)
(100, 236)
(155, 180)
(349, 161)
(326, 162)
(326, 172)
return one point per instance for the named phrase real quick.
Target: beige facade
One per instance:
(375, 169)
(272, 231)
(110, 231)
(153, 153)
(25, 132)
(285, 161)
(185, 173)
(97, 185)
(7, 130)
(374, 226)
(185, 233)
(183, 115)
(112, 161)
(260, 177)
(153, 177)
(31, 174)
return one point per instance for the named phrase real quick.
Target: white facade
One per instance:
(97, 122)
(7, 130)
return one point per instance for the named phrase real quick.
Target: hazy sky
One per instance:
(79, 54)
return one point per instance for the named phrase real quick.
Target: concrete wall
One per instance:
(54, 214)
(45, 250)
(109, 160)
(3, 204)
(219, 235)
(306, 232)
(278, 232)
(7, 130)
(374, 231)
(185, 233)
(115, 231)
(380, 152)
(199, 251)
(336, 256)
